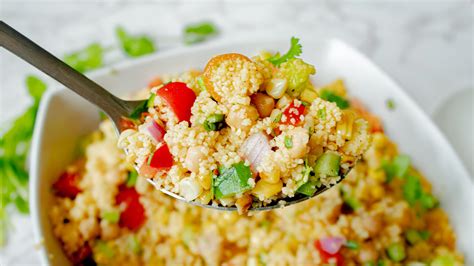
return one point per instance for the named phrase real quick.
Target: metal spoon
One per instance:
(113, 106)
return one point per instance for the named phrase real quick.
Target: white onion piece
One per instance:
(189, 188)
(156, 131)
(332, 245)
(254, 149)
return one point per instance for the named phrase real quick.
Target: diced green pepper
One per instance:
(308, 188)
(413, 236)
(111, 216)
(350, 244)
(332, 97)
(233, 180)
(103, 248)
(214, 122)
(327, 164)
(444, 260)
(288, 142)
(396, 252)
(131, 178)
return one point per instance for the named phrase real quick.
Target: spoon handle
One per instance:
(32, 53)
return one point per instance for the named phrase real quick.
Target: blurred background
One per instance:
(426, 47)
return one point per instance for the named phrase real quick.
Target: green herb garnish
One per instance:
(332, 97)
(214, 122)
(322, 113)
(131, 178)
(111, 216)
(390, 104)
(398, 167)
(143, 107)
(294, 51)
(232, 180)
(14, 147)
(350, 244)
(288, 142)
(201, 84)
(135, 46)
(199, 32)
(86, 59)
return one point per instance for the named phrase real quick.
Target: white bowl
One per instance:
(63, 117)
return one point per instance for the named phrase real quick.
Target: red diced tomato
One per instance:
(336, 259)
(291, 115)
(161, 159)
(179, 98)
(67, 185)
(133, 214)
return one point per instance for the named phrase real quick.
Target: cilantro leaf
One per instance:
(294, 51)
(199, 32)
(86, 59)
(135, 46)
(332, 97)
(36, 87)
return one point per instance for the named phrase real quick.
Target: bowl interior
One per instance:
(64, 117)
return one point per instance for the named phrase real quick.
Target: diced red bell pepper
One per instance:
(133, 214)
(179, 98)
(291, 115)
(337, 258)
(161, 159)
(67, 185)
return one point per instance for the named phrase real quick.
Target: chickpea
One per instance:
(263, 103)
(193, 157)
(242, 117)
(300, 140)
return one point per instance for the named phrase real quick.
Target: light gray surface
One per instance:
(426, 47)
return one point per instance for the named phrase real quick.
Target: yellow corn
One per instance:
(205, 197)
(308, 95)
(284, 101)
(276, 87)
(346, 125)
(205, 181)
(265, 190)
(271, 177)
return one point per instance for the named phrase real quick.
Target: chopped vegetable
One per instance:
(396, 252)
(199, 32)
(294, 51)
(276, 87)
(135, 46)
(131, 178)
(332, 245)
(142, 107)
(308, 95)
(104, 249)
(179, 98)
(349, 199)
(86, 59)
(322, 113)
(264, 104)
(390, 104)
(414, 236)
(161, 159)
(111, 216)
(133, 213)
(335, 259)
(214, 122)
(308, 188)
(397, 168)
(291, 115)
(412, 189)
(232, 180)
(67, 185)
(134, 244)
(327, 164)
(277, 118)
(156, 131)
(254, 149)
(444, 260)
(297, 74)
(332, 97)
(350, 244)
(288, 142)
(201, 84)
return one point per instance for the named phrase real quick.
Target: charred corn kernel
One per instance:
(205, 197)
(205, 181)
(346, 125)
(276, 87)
(265, 190)
(271, 177)
(308, 95)
(284, 101)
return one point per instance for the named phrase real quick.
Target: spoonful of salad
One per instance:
(244, 134)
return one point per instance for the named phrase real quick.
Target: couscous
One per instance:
(245, 133)
(383, 213)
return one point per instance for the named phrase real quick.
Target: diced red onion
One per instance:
(254, 149)
(333, 244)
(156, 131)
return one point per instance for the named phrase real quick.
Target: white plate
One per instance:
(64, 117)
